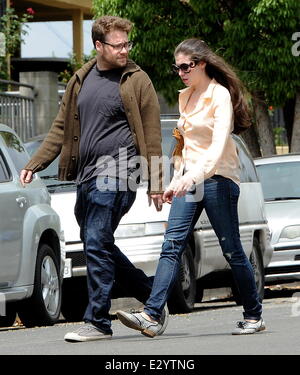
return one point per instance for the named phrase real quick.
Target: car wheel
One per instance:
(9, 318)
(183, 295)
(43, 307)
(74, 298)
(259, 273)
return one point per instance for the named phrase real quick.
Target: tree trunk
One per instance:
(295, 144)
(288, 113)
(250, 137)
(264, 128)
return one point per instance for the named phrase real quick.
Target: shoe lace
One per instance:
(83, 329)
(86, 328)
(241, 324)
(135, 311)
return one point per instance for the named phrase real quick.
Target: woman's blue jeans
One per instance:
(100, 205)
(220, 201)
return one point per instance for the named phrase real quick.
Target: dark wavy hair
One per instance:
(217, 68)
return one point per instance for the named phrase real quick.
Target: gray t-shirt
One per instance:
(106, 144)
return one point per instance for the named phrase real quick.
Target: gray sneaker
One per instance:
(88, 332)
(246, 328)
(145, 326)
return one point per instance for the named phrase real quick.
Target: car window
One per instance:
(4, 170)
(49, 174)
(32, 147)
(280, 180)
(168, 141)
(247, 167)
(15, 149)
(168, 144)
(52, 169)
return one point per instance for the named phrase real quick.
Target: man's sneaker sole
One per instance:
(74, 337)
(130, 324)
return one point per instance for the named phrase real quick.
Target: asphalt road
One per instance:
(205, 331)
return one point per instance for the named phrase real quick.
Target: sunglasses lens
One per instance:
(185, 67)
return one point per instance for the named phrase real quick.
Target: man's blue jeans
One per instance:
(101, 203)
(220, 202)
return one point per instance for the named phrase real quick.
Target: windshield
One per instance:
(49, 175)
(280, 180)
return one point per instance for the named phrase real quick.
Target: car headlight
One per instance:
(154, 228)
(290, 233)
(139, 230)
(130, 230)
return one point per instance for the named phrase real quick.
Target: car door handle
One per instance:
(21, 201)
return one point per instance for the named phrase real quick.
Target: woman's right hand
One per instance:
(184, 184)
(168, 196)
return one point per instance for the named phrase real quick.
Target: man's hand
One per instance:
(26, 176)
(157, 200)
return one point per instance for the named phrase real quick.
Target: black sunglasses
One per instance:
(185, 68)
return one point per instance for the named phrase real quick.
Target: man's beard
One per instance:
(116, 63)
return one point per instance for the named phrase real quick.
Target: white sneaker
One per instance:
(147, 327)
(88, 332)
(246, 328)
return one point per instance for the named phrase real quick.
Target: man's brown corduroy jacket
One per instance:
(143, 114)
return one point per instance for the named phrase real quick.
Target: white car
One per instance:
(141, 232)
(279, 176)
(31, 242)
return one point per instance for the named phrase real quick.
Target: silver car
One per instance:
(279, 176)
(141, 233)
(31, 242)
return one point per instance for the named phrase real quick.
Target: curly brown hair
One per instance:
(105, 24)
(217, 68)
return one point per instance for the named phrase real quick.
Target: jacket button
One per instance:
(73, 158)
(75, 138)
(76, 116)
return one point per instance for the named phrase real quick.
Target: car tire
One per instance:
(259, 273)
(9, 318)
(43, 307)
(183, 295)
(199, 291)
(74, 298)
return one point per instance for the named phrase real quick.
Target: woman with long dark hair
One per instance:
(212, 107)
